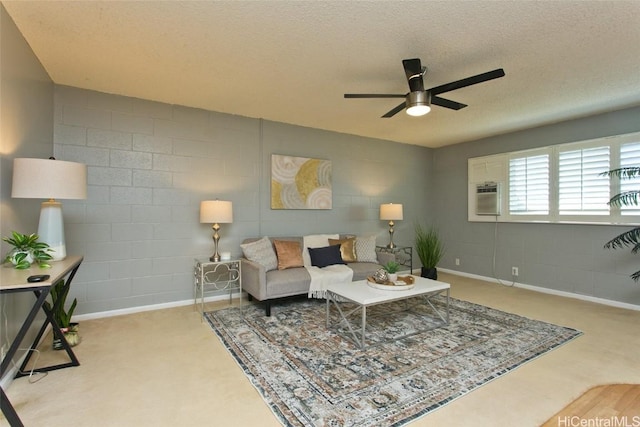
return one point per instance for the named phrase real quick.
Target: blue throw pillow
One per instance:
(328, 255)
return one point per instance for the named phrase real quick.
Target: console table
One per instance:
(13, 281)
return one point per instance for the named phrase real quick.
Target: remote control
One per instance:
(37, 278)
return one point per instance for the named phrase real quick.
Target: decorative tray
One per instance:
(402, 284)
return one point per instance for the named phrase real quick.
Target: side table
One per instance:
(404, 255)
(216, 276)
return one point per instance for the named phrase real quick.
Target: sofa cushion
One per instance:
(261, 251)
(366, 249)
(292, 281)
(347, 248)
(289, 254)
(328, 255)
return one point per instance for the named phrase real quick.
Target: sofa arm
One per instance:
(385, 257)
(254, 279)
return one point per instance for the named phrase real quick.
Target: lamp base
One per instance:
(391, 245)
(216, 237)
(51, 229)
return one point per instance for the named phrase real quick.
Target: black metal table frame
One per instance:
(41, 293)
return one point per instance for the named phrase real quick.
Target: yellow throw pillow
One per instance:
(347, 248)
(289, 254)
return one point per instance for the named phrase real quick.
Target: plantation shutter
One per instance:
(582, 189)
(630, 157)
(529, 185)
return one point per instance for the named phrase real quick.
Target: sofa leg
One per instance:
(267, 307)
(249, 297)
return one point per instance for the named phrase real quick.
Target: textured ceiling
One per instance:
(292, 61)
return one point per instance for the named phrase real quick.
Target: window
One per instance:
(629, 156)
(582, 189)
(529, 185)
(561, 183)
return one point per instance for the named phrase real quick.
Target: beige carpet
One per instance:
(166, 368)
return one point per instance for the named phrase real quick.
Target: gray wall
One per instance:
(150, 165)
(561, 257)
(26, 128)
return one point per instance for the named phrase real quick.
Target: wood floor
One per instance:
(619, 402)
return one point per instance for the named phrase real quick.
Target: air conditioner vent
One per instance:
(488, 198)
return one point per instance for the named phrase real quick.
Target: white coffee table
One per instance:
(365, 296)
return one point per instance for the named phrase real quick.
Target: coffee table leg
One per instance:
(328, 302)
(364, 323)
(448, 289)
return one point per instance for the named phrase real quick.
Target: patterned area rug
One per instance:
(312, 376)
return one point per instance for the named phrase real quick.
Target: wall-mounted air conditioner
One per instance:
(488, 198)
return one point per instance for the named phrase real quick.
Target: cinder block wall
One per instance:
(150, 164)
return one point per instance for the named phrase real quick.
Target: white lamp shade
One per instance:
(391, 211)
(216, 212)
(48, 179)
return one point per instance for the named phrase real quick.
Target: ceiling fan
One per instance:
(418, 100)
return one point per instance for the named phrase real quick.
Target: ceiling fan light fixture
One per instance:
(418, 103)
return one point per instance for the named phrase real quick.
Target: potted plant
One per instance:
(26, 250)
(630, 238)
(430, 250)
(392, 268)
(62, 317)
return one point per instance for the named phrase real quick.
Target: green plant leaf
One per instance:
(623, 173)
(23, 265)
(429, 248)
(59, 294)
(627, 198)
(630, 238)
(391, 267)
(626, 239)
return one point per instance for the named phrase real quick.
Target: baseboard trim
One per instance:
(132, 310)
(566, 294)
(140, 309)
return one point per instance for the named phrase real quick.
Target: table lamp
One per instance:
(50, 179)
(391, 212)
(216, 212)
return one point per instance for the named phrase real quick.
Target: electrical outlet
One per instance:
(514, 271)
(457, 261)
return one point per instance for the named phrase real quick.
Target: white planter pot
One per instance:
(15, 253)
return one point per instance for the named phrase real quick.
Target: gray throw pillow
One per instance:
(261, 251)
(366, 249)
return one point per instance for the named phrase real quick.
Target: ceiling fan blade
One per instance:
(375, 95)
(395, 111)
(414, 71)
(447, 103)
(489, 75)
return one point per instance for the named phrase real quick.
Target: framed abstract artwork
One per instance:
(300, 183)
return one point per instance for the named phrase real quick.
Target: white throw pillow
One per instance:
(315, 241)
(262, 252)
(366, 249)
